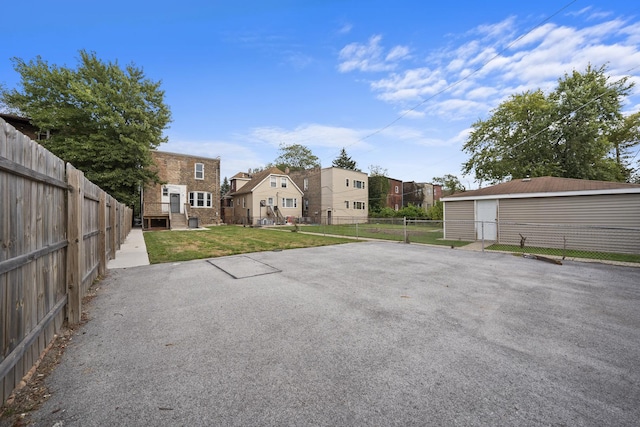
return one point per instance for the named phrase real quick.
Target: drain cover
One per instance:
(242, 266)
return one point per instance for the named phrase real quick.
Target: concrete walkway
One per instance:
(132, 253)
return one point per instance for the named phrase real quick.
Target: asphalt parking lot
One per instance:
(370, 333)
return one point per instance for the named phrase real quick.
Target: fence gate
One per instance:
(487, 217)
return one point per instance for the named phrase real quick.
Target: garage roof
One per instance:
(546, 186)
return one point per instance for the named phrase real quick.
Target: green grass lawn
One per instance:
(172, 246)
(569, 253)
(428, 234)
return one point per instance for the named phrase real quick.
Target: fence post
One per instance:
(482, 231)
(404, 223)
(112, 223)
(75, 239)
(102, 237)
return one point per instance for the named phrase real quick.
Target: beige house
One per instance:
(265, 198)
(506, 212)
(333, 195)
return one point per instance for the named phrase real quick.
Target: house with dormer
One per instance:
(268, 197)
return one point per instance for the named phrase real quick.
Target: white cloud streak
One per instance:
(467, 80)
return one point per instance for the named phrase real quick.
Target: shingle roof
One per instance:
(257, 179)
(545, 184)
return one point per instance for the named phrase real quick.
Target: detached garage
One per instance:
(549, 212)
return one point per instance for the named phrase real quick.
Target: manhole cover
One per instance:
(242, 266)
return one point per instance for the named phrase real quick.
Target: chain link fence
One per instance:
(557, 241)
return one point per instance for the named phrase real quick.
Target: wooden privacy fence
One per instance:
(57, 232)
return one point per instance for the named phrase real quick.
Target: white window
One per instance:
(200, 199)
(396, 206)
(165, 191)
(273, 182)
(346, 182)
(346, 204)
(244, 201)
(305, 184)
(283, 182)
(397, 190)
(289, 203)
(358, 184)
(358, 205)
(199, 170)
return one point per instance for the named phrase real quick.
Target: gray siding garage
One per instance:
(549, 212)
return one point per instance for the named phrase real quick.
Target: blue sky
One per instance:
(397, 83)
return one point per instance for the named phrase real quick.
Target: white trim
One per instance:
(545, 194)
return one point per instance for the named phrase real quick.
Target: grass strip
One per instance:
(568, 253)
(174, 246)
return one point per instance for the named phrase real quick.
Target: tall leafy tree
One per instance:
(104, 119)
(378, 188)
(566, 133)
(296, 157)
(450, 184)
(626, 140)
(344, 161)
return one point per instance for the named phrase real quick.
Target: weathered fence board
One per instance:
(46, 220)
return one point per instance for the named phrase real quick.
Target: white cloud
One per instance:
(397, 53)
(482, 72)
(410, 85)
(370, 56)
(311, 135)
(345, 29)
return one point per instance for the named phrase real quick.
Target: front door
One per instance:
(487, 217)
(174, 199)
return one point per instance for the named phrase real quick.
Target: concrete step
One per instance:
(178, 222)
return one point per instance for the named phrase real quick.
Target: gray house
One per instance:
(506, 212)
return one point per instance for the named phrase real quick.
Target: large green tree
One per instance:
(296, 157)
(104, 119)
(344, 161)
(567, 133)
(626, 140)
(378, 189)
(450, 184)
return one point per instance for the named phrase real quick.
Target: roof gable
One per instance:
(259, 177)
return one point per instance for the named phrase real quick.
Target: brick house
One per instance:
(333, 195)
(24, 126)
(189, 193)
(394, 197)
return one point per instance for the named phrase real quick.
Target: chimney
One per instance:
(286, 170)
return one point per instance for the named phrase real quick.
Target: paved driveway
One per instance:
(370, 333)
